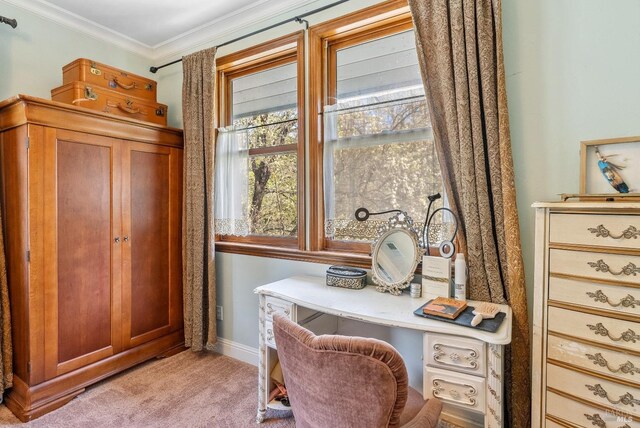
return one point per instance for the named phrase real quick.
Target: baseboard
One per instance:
(237, 350)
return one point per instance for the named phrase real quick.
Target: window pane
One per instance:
(265, 104)
(267, 91)
(379, 151)
(271, 129)
(273, 195)
(384, 64)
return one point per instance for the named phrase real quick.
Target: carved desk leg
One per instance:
(262, 361)
(494, 414)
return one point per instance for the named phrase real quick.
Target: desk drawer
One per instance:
(620, 397)
(455, 353)
(617, 298)
(625, 367)
(575, 412)
(595, 328)
(622, 231)
(455, 388)
(278, 306)
(613, 267)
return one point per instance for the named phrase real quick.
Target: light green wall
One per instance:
(572, 68)
(33, 54)
(572, 71)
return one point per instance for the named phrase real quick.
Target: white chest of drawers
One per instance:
(586, 327)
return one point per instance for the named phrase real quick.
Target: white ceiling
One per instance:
(159, 28)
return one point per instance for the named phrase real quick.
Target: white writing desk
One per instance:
(462, 366)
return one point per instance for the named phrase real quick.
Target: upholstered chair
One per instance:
(348, 382)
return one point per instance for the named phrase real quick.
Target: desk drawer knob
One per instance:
(601, 266)
(271, 310)
(630, 232)
(626, 302)
(465, 357)
(626, 368)
(601, 330)
(625, 399)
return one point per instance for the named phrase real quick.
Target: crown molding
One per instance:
(230, 26)
(78, 23)
(218, 30)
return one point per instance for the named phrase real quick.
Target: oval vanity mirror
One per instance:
(395, 255)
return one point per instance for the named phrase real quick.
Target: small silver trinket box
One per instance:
(346, 277)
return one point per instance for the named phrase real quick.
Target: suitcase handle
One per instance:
(122, 85)
(126, 109)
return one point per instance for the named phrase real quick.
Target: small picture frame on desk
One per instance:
(603, 163)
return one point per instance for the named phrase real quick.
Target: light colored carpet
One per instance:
(186, 390)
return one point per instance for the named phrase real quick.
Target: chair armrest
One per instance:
(428, 416)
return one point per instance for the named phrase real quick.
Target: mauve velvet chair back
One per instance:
(339, 381)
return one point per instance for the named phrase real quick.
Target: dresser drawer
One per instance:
(455, 353)
(625, 367)
(620, 397)
(616, 267)
(609, 331)
(278, 306)
(604, 230)
(615, 298)
(455, 388)
(583, 415)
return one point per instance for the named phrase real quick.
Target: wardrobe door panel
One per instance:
(149, 218)
(81, 229)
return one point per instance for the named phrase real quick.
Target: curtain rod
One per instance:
(8, 21)
(297, 19)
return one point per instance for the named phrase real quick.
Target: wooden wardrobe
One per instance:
(92, 219)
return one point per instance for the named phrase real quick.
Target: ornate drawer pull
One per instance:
(629, 233)
(627, 336)
(471, 357)
(627, 302)
(596, 420)
(269, 335)
(626, 368)
(626, 399)
(272, 310)
(601, 266)
(470, 392)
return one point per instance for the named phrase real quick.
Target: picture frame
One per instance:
(624, 151)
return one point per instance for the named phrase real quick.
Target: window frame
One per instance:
(288, 49)
(373, 22)
(324, 42)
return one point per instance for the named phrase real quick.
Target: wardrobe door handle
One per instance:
(116, 239)
(126, 239)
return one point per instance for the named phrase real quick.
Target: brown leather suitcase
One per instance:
(101, 75)
(96, 98)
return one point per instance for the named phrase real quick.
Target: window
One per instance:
(377, 148)
(263, 127)
(369, 137)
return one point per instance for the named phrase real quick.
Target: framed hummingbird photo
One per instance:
(610, 166)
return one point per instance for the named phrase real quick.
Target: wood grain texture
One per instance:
(13, 175)
(64, 196)
(149, 240)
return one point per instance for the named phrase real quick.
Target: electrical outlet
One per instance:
(219, 314)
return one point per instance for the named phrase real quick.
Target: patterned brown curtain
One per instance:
(460, 50)
(6, 347)
(198, 276)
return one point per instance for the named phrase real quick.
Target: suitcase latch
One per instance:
(89, 94)
(95, 70)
